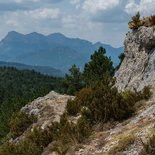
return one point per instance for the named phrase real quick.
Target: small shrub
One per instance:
(146, 93)
(72, 107)
(68, 128)
(66, 136)
(20, 122)
(8, 149)
(83, 129)
(86, 113)
(60, 148)
(123, 143)
(134, 96)
(83, 98)
(150, 146)
(150, 20)
(135, 23)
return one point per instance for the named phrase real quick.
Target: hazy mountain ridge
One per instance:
(42, 69)
(55, 50)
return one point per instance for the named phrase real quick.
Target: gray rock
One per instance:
(138, 67)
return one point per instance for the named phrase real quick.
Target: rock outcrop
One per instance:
(138, 67)
(47, 109)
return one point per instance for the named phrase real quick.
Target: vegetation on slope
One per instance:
(96, 101)
(17, 88)
(137, 22)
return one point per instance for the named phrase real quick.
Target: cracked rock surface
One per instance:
(138, 67)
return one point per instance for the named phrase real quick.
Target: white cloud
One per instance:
(146, 7)
(39, 20)
(93, 6)
(44, 13)
(104, 20)
(75, 1)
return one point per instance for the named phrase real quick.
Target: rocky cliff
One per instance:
(138, 67)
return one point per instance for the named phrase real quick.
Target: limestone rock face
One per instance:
(47, 109)
(138, 67)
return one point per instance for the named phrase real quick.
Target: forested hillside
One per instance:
(97, 102)
(17, 88)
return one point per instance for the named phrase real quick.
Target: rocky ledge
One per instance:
(138, 67)
(47, 109)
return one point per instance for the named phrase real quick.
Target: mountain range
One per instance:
(54, 50)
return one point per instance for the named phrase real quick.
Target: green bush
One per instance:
(72, 107)
(104, 103)
(72, 81)
(136, 22)
(33, 143)
(9, 149)
(20, 122)
(108, 104)
(83, 98)
(83, 129)
(146, 93)
(123, 143)
(66, 136)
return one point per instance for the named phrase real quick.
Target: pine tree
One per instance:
(136, 22)
(73, 81)
(98, 67)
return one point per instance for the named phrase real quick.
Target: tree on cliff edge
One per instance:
(73, 81)
(98, 67)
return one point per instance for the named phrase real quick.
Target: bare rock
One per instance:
(138, 67)
(48, 108)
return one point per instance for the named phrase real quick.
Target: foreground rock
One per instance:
(138, 67)
(48, 108)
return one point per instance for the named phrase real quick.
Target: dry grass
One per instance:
(123, 143)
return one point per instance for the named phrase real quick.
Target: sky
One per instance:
(95, 20)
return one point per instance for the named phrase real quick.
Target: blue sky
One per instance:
(94, 20)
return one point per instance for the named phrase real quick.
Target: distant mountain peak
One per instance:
(13, 34)
(35, 34)
(58, 35)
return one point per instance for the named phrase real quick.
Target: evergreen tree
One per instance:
(73, 81)
(98, 67)
(136, 22)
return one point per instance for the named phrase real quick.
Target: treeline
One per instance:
(17, 88)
